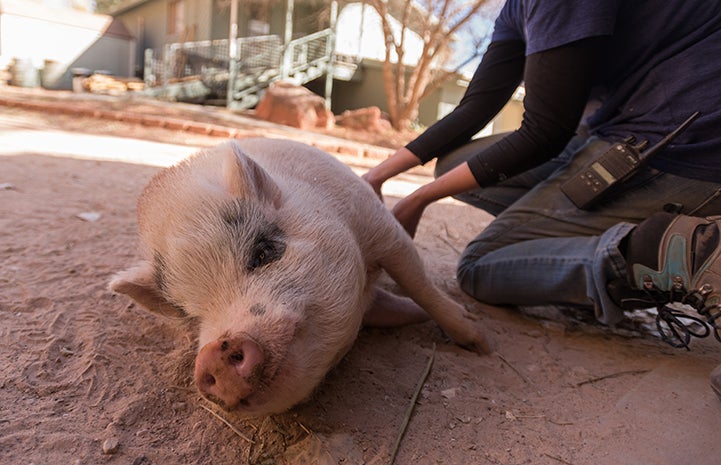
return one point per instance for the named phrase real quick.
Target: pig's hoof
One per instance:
(472, 336)
(479, 344)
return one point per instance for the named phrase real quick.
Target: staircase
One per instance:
(201, 71)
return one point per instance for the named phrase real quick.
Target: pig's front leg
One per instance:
(402, 263)
(389, 310)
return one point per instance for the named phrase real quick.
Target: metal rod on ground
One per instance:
(419, 386)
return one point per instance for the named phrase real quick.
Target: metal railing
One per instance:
(308, 53)
(178, 68)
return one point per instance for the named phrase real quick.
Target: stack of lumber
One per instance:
(104, 84)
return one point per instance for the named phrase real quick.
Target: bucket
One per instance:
(79, 76)
(23, 73)
(52, 74)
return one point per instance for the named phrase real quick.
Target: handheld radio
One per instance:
(587, 187)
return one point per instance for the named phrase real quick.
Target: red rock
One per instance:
(365, 119)
(296, 106)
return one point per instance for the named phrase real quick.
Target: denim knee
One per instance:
(466, 269)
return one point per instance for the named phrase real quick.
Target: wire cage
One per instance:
(202, 69)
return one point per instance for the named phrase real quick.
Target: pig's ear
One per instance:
(243, 177)
(138, 283)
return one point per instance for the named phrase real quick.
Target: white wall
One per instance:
(70, 38)
(360, 34)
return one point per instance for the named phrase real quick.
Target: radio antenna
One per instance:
(660, 145)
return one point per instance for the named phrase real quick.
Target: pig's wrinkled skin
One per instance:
(274, 247)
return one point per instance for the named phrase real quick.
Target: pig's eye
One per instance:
(265, 251)
(260, 259)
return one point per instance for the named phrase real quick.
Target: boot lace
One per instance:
(675, 326)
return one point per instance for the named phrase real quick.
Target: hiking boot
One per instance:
(676, 259)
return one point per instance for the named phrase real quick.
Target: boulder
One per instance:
(364, 119)
(292, 105)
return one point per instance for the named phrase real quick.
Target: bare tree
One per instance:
(437, 23)
(107, 6)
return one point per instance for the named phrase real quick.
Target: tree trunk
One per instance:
(406, 86)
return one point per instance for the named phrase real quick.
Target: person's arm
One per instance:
(558, 83)
(493, 83)
(408, 210)
(496, 78)
(401, 161)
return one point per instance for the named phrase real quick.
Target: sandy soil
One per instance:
(88, 378)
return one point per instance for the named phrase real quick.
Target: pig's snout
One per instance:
(228, 370)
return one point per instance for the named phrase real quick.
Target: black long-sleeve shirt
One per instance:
(558, 83)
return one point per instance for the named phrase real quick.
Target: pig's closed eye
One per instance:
(265, 251)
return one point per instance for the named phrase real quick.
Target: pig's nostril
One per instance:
(229, 371)
(208, 380)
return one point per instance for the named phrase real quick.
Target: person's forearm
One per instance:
(409, 209)
(402, 160)
(458, 180)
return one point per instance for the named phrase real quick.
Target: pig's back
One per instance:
(314, 179)
(285, 159)
(310, 171)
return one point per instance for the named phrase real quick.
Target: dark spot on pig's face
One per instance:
(269, 246)
(262, 241)
(224, 253)
(257, 309)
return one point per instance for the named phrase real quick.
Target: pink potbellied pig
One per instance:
(275, 247)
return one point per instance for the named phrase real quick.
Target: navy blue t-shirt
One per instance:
(661, 63)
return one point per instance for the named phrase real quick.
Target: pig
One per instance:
(274, 247)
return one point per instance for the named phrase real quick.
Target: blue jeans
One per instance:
(541, 250)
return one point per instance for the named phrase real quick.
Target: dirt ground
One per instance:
(88, 378)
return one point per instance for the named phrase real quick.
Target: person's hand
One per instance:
(375, 182)
(408, 212)
(402, 160)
